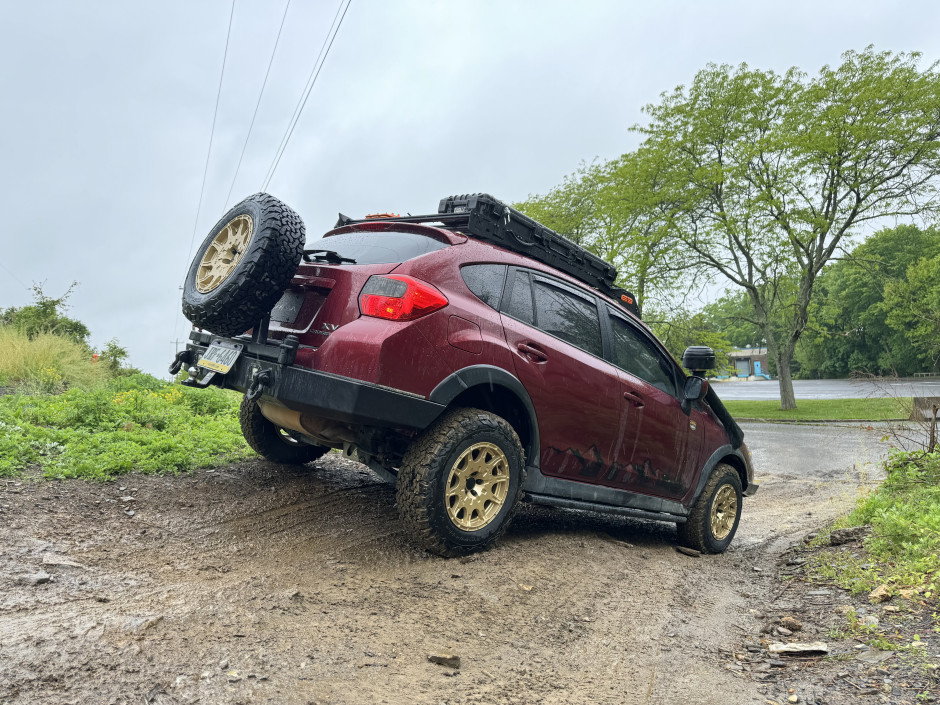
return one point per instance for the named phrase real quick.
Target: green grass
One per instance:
(46, 363)
(903, 547)
(824, 409)
(130, 423)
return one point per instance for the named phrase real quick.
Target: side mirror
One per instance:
(695, 390)
(698, 359)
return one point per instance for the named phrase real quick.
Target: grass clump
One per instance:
(130, 423)
(903, 546)
(874, 409)
(46, 363)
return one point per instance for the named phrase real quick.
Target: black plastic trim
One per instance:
(599, 495)
(457, 383)
(713, 460)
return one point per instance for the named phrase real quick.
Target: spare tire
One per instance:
(243, 266)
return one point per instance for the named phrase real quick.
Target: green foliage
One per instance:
(904, 544)
(912, 306)
(772, 172)
(869, 315)
(46, 315)
(615, 210)
(679, 329)
(46, 363)
(905, 516)
(135, 422)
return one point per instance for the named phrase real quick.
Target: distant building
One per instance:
(749, 362)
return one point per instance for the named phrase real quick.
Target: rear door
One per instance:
(660, 452)
(554, 332)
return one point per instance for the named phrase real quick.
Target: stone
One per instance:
(843, 536)
(882, 593)
(814, 648)
(135, 625)
(869, 620)
(689, 551)
(34, 579)
(783, 631)
(449, 660)
(791, 623)
(57, 561)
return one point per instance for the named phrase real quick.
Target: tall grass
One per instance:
(46, 363)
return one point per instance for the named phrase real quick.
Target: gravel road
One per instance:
(259, 583)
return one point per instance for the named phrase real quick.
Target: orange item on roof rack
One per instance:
(370, 216)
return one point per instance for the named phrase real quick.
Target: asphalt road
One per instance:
(830, 389)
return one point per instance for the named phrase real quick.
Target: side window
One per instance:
(637, 356)
(486, 281)
(567, 316)
(520, 298)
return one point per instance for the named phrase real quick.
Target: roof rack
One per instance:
(486, 218)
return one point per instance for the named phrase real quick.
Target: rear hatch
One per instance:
(324, 293)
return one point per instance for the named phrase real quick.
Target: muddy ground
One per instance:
(259, 583)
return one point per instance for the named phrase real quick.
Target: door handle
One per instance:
(532, 352)
(635, 398)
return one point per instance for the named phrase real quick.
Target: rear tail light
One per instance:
(399, 298)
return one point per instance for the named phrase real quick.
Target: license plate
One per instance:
(219, 357)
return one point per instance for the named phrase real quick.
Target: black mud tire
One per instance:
(272, 442)
(257, 281)
(697, 531)
(423, 475)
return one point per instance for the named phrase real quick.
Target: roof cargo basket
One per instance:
(485, 218)
(495, 222)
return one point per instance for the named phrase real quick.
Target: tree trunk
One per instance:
(787, 398)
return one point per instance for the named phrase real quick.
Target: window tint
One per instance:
(378, 246)
(520, 299)
(568, 317)
(637, 356)
(486, 281)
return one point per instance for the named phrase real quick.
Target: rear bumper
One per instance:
(318, 393)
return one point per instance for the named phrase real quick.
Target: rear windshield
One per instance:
(378, 246)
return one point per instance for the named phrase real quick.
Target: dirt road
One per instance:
(259, 583)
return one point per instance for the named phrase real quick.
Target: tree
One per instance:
(617, 211)
(771, 174)
(849, 328)
(913, 306)
(46, 315)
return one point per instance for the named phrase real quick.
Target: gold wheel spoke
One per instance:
(477, 486)
(224, 253)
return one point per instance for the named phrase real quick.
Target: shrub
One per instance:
(46, 363)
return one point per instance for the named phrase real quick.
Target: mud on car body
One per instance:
(472, 357)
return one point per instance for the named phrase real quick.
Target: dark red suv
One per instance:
(472, 357)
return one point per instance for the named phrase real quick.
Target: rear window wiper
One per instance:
(329, 256)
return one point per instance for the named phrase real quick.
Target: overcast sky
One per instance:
(107, 109)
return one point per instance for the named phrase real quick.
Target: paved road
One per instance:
(830, 389)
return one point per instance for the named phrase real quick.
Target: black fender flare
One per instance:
(491, 376)
(712, 462)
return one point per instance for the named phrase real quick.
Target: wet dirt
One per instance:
(260, 583)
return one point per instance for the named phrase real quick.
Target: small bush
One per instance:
(46, 363)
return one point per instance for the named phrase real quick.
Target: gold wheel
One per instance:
(477, 486)
(224, 253)
(724, 512)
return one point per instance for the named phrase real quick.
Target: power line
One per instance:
(315, 72)
(7, 269)
(215, 115)
(257, 105)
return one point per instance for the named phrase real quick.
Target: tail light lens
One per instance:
(399, 298)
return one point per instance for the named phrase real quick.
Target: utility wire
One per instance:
(20, 281)
(215, 115)
(315, 72)
(257, 105)
(202, 190)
